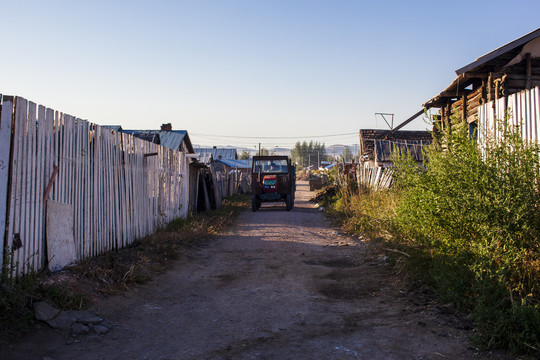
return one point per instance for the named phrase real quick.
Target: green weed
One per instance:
(17, 297)
(477, 209)
(469, 222)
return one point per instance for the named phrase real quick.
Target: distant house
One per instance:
(209, 155)
(173, 139)
(507, 78)
(377, 146)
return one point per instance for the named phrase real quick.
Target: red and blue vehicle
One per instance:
(273, 179)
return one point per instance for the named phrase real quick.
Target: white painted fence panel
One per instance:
(377, 178)
(116, 192)
(523, 109)
(6, 118)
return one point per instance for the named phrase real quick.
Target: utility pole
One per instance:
(259, 149)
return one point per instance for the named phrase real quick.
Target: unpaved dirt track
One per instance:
(278, 285)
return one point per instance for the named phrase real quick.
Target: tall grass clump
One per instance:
(360, 210)
(475, 208)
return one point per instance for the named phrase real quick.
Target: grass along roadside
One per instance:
(372, 216)
(113, 272)
(469, 224)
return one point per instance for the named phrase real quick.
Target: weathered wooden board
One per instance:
(523, 110)
(60, 237)
(6, 118)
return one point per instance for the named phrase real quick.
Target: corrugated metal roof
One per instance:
(153, 138)
(215, 154)
(112, 127)
(240, 164)
(147, 135)
(171, 139)
(205, 157)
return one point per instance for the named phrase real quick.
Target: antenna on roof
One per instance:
(383, 115)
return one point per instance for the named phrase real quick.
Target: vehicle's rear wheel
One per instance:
(254, 203)
(289, 202)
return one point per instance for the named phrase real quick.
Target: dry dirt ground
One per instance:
(277, 285)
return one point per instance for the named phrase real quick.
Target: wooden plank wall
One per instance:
(523, 108)
(116, 192)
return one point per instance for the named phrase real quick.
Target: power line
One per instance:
(273, 137)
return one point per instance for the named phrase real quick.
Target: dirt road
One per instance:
(278, 285)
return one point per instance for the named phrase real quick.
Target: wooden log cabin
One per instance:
(377, 146)
(507, 78)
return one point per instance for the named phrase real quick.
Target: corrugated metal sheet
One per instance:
(205, 158)
(207, 155)
(153, 137)
(240, 164)
(523, 108)
(171, 139)
(113, 127)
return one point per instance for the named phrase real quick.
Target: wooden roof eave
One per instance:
(455, 90)
(498, 52)
(451, 91)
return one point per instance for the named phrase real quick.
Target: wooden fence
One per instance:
(118, 187)
(524, 110)
(377, 178)
(232, 182)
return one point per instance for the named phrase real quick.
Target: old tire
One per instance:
(289, 202)
(254, 203)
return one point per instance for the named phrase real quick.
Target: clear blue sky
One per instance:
(247, 68)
